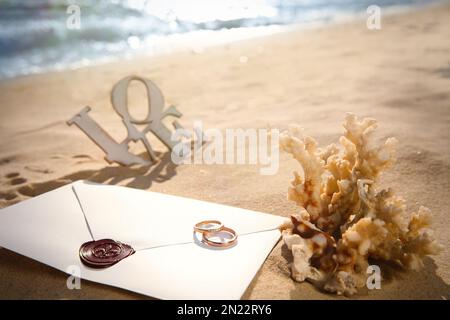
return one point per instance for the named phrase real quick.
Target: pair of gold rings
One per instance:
(211, 230)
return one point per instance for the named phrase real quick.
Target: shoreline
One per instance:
(184, 42)
(399, 75)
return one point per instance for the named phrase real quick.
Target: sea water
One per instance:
(35, 35)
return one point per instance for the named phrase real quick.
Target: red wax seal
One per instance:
(104, 253)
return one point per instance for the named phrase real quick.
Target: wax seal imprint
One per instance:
(104, 253)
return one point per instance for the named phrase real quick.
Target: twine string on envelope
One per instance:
(158, 246)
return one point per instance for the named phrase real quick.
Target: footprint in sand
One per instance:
(17, 181)
(15, 178)
(82, 156)
(6, 160)
(12, 175)
(38, 169)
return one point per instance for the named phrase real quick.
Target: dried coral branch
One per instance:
(305, 192)
(344, 220)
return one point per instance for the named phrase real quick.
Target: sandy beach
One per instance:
(399, 75)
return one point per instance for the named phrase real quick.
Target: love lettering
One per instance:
(118, 152)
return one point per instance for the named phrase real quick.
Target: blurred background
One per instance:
(34, 36)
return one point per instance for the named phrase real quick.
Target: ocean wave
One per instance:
(34, 35)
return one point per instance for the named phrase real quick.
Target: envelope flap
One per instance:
(44, 227)
(147, 219)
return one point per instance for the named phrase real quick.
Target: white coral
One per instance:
(344, 220)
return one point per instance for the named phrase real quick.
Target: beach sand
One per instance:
(399, 75)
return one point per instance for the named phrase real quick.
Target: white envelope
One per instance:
(169, 262)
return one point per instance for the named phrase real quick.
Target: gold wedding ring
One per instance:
(228, 242)
(211, 229)
(201, 226)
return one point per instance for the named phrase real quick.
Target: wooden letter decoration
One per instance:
(118, 152)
